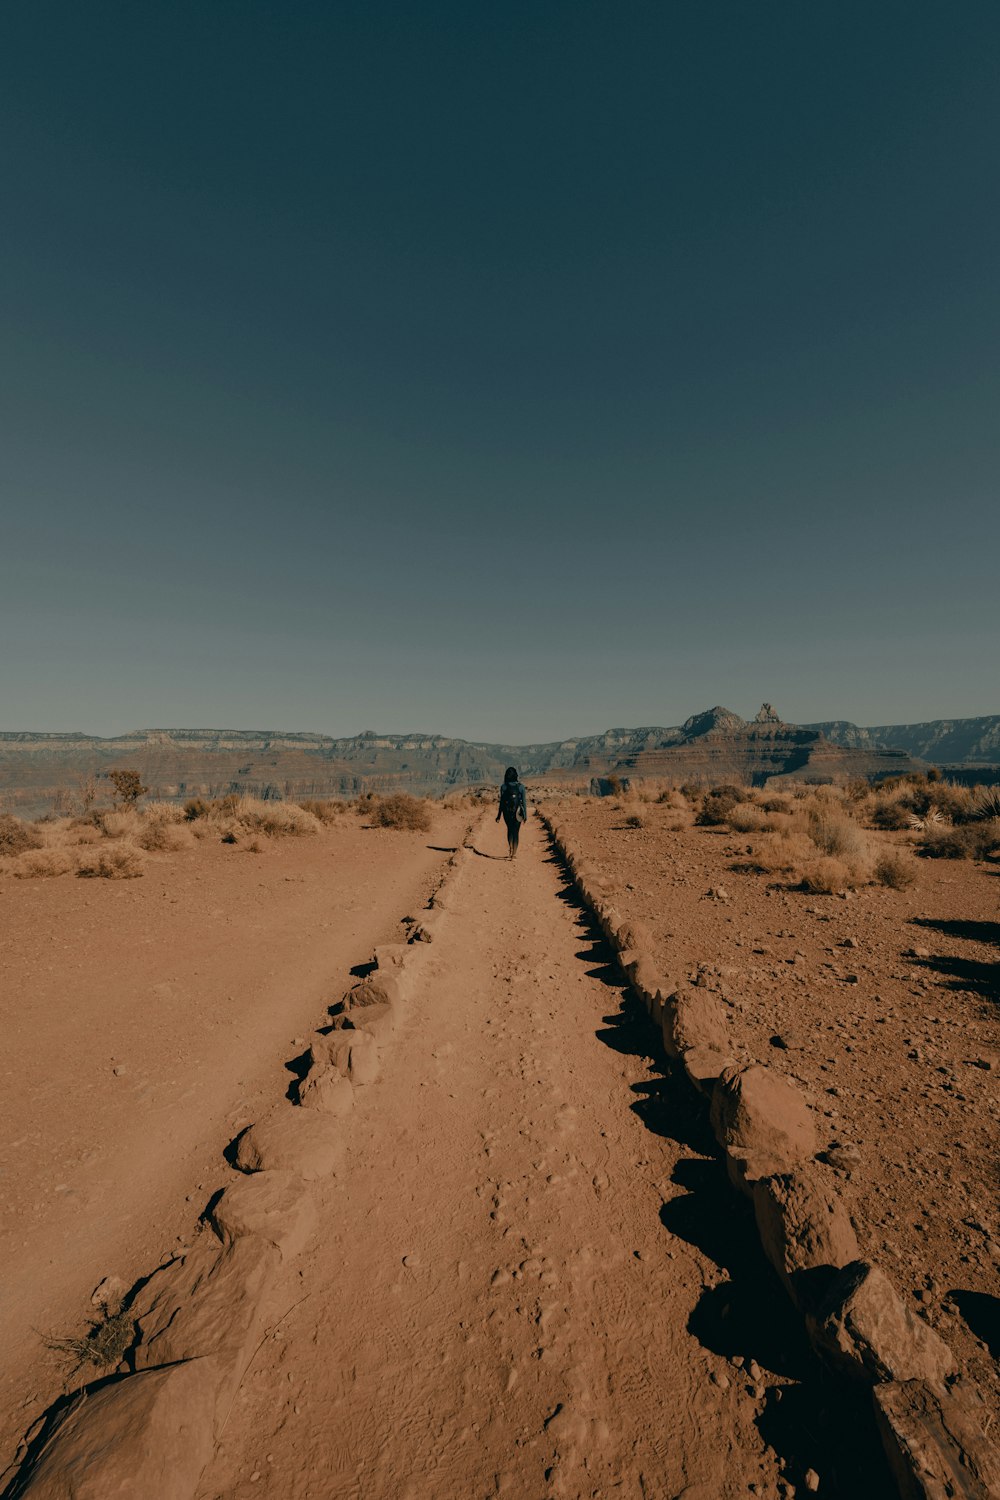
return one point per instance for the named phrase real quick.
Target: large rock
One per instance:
(704, 1066)
(354, 1054)
(762, 1123)
(212, 1304)
(275, 1205)
(935, 1443)
(647, 982)
(326, 1089)
(632, 934)
(307, 1142)
(805, 1230)
(864, 1328)
(149, 1435)
(694, 1018)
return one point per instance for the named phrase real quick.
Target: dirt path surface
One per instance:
(497, 1303)
(145, 1022)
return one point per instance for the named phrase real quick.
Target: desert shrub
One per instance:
(635, 820)
(983, 804)
(124, 824)
(774, 804)
(127, 787)
(16, 836)
(970, 841)
(780, 853)
(896, 868)
(401, 811)
(197, 807)
(328, 810)
(169, 837)
(718, 805)
(112, 862)
(827, 875)
(836, 834)
(229, 837)
(38, 863)
(163, 812)
(745, 817)
(273, 818)
(890, 814)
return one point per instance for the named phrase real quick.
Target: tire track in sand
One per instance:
(493, 1306)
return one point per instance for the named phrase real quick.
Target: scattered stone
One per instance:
(811, 1481)
(327, 1089)
(109, 1294)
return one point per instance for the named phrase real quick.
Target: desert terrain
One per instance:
(507, 1258)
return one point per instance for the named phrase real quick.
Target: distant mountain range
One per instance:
(178, 763)
(952, 742)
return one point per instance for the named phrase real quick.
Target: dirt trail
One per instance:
(494, 1305)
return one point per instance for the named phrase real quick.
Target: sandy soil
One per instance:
(529, 1280)
(883, 1007)
(145, 1022)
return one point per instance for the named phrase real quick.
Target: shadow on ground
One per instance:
(806, 1418)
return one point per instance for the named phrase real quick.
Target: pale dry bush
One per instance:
(167, 837)
(162, 812)
(401, 811)
(677, 820)
(745, 817)
(326, 809)
(112, 861)
(827, 875)
(836, 834)
(276, 819)
(41, 863)
(782, 853)
(124, 823)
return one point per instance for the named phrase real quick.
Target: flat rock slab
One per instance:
(146, 1437)
(275, 1205)
(935, 1443)
(864, 1328)
(307, 1142)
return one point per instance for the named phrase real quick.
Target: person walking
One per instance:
(513, 808)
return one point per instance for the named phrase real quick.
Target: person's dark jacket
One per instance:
(513, 801)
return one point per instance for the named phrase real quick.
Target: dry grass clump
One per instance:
(112, 861)
(104, 1346)
(401, 811)
(16, 836)
(896, 868)
(827, 875)
(635, 820)
(326, 809)
(747, 817)
(276, 819)
(40, 863)
(166, 837)
(836, 834)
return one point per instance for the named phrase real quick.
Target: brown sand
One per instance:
(145, 1022)
(525, 1282)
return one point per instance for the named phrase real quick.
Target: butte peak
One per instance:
(766, 715)
(717, 720)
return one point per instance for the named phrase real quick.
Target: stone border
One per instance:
(929, 1418)
(201, 1318)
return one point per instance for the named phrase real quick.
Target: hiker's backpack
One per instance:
(511, 798)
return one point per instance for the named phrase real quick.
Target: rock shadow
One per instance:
(974, 932)
(981, 1312)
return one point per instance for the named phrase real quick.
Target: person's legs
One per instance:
(513, 831)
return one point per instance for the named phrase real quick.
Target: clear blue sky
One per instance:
(503, 370)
